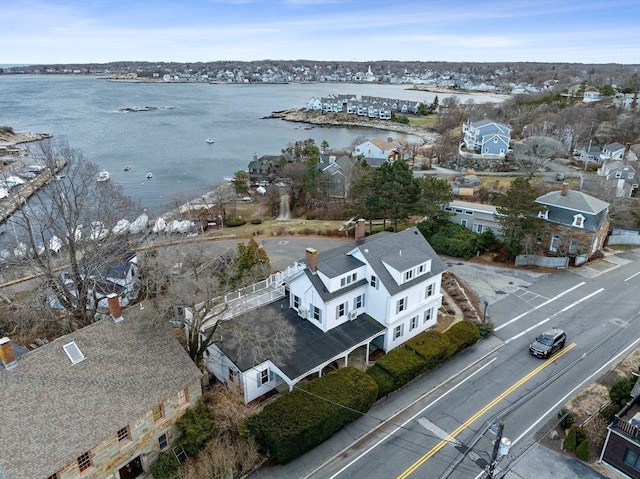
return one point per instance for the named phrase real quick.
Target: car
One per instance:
(548, 343)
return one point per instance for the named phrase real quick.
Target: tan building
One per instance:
(98, 403)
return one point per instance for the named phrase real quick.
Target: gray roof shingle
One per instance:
(573, 200)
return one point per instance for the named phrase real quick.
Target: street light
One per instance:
(484, 314)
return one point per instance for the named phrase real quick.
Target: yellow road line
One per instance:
(473, 418)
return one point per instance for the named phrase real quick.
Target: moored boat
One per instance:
(127, 168)
(149, 175)
(103, 176)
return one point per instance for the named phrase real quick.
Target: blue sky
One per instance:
(83, 31)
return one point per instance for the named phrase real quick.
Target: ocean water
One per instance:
(171, 142)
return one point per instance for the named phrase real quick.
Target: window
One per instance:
(459, 211)
(163, 442)
(468, 212)
(358, 302)
(448, 208)
(495, 140)
(124, 435)
(631, 459)
(341, 310)
(555, 242)
(317, 313)
(573, 245)
(429, 291)
(543, 214)
(408, 275)
(84, 461)
(348, 279)
(374, 282)
(630, 176)
(618, 174)
(183, 396)
(401, 305)
(264, 376)
(397, 332)
(53, 476)
(578, 220)
(427, 315)
(479, 228)
(414, 323)
(232, 374)
(296, 302)
(421, 268)
(157, 412)
(73, 352)
(463, 223)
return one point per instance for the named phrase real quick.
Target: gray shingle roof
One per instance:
(573, 200)
(52, 411)
(311, 346)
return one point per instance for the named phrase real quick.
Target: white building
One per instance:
(375, 293)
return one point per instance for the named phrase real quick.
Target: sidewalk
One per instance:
(385, 410)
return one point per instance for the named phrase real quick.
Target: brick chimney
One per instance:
(114, 308)
(311, 259)
(565, 189)
(360, 230)
(7, 355)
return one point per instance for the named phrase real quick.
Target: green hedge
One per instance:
(462, 335)
(402, 364)
(296, 423)
(231, 222)
(196, 427)
(383, 379)
(166, 467)
(582, 451)
(432, 346)
(575, 437)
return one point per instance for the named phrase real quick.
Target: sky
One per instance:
(101, 31)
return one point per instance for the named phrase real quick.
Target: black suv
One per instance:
(548, 343)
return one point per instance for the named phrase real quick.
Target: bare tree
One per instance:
(64, 233)
(535, 152)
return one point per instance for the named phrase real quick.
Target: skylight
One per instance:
(73, 352)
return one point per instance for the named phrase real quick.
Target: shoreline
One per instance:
(343, 120)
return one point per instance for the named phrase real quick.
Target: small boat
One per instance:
(149, 175)
(103, 176)
(127, 168)
(210, 141)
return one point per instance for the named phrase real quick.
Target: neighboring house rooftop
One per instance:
(53, 410)
(574, 201)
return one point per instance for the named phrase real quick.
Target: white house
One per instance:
(382, 149)
(375, 293)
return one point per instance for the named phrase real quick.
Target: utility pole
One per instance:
(494, 455)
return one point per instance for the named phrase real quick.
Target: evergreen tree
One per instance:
(517, 209)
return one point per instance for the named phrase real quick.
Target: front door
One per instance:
(132, 469)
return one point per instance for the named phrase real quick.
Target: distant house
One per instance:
(591, 94)
(260, 168)
(623, 177)
(390, 149)
(621, 448)
(100, 402)
(574, 223)
(335, 175)
(374, 293)
(476, 217)
(612, 151)
(487, 138)
(590, 154)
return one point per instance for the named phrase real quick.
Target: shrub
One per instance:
(582, 451)
(196, 427)
(462, 335)
(256, 222)
(166, 467)
(610, 411)
(620, 392)
(485, 329)
(575, 437)
(232, 222)
(312, 413)
(402, 364)
(432, 346)
(383, 379)
(566, 418)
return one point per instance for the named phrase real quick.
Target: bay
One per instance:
(170, 142)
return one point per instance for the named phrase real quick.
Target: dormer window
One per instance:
(408, 275)
(578, 221)
(543, 214)
(348, 280)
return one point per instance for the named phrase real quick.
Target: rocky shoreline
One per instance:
(345, 120)
(10, 138)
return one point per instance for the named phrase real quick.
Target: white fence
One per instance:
(544, 261)
(620, 236)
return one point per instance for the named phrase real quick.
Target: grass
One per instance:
(423, 121)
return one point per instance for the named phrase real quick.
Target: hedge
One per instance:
(575, 437)
(232, 222)
(402, 364)
(383, 379)
(432, 346)
(166, 467)
(310, 414)
(196, 426)
(462, 335)
(582, 451)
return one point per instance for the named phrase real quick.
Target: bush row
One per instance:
(455, 240)
(421, 354)
(312, 413)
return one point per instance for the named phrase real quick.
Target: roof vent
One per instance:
(73, 352)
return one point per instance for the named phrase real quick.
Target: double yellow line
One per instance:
(473, 418)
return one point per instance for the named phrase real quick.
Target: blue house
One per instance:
(487, 138)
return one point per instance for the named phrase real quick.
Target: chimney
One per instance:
(360, 230)
(114, 308)
(255, 156)
(627, 147)
(311, 259)
(565, 189)
(7, 356)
